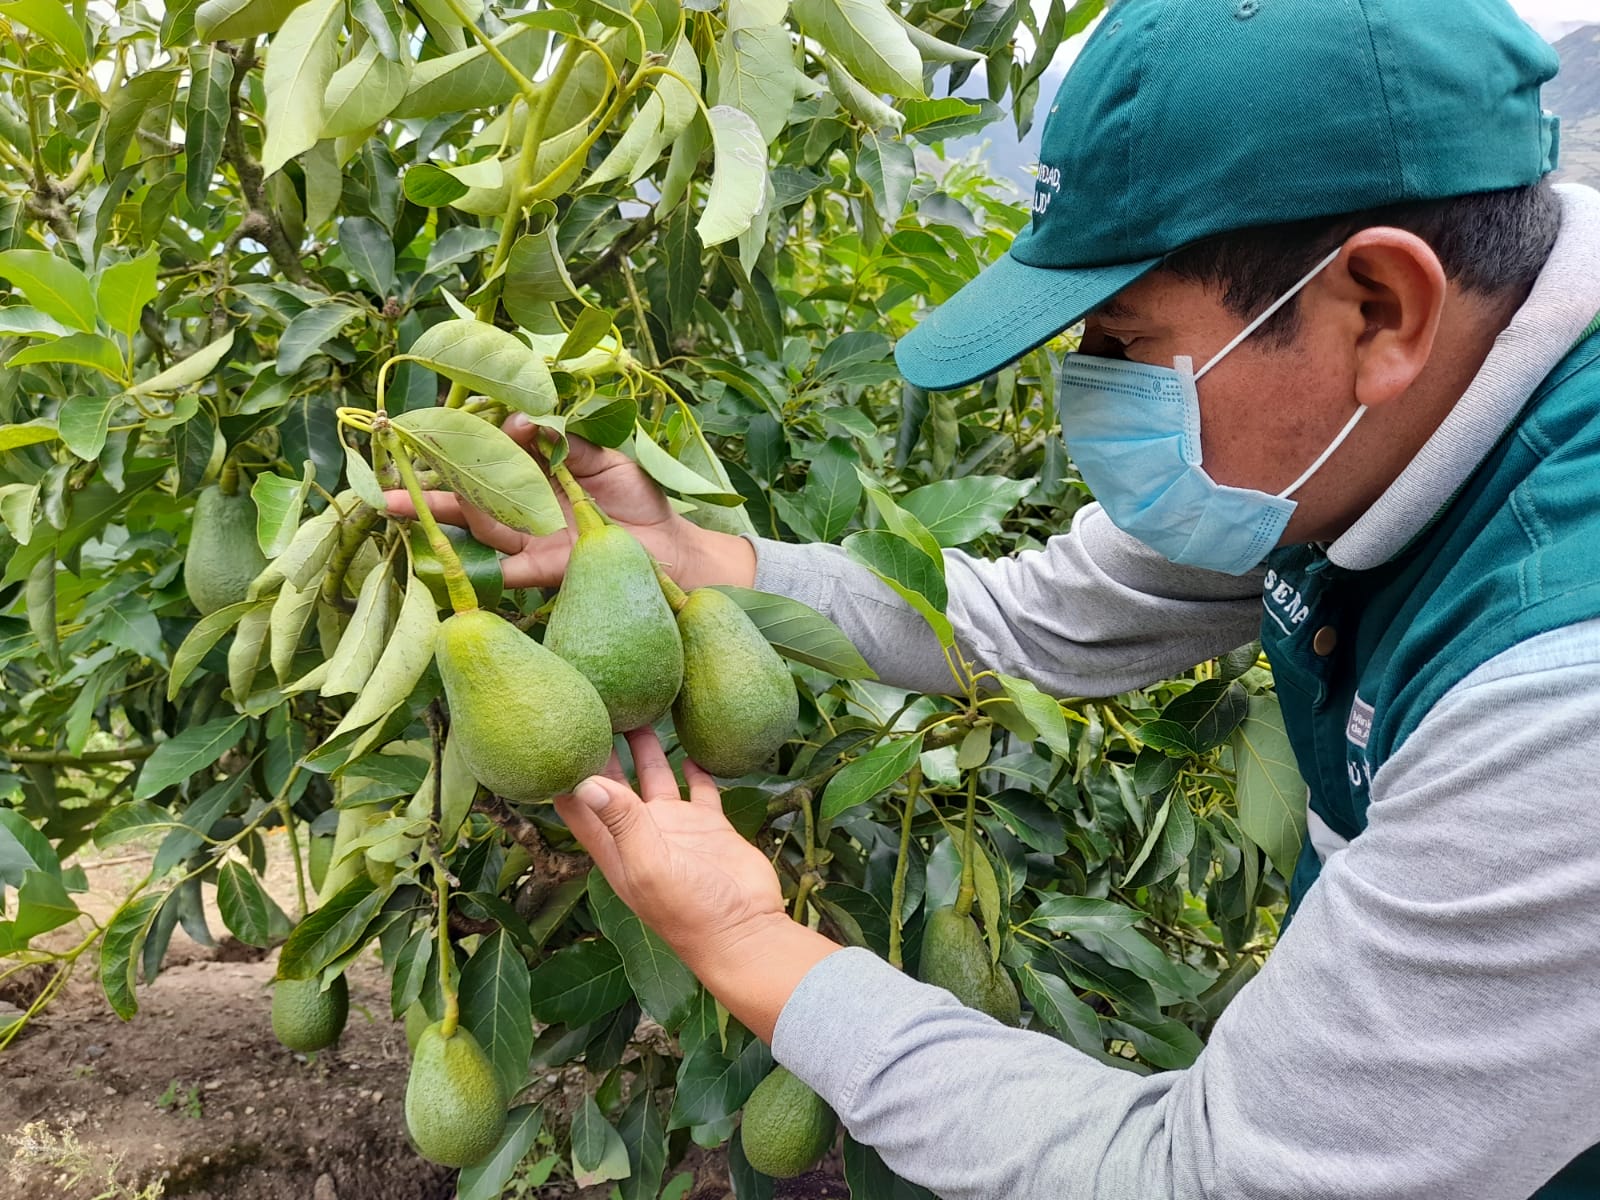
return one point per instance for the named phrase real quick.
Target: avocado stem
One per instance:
(447, 987)
(585, 511)
(676, 597)
(968, 883)
(462, 598)
(228, 477)
(898, 890)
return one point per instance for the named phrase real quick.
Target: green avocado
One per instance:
(786, 1126)
(738, 703)
(455, 1110)
(956, 958)
(528, 724)
(223, 556)
(306, 1016)
(612, 623)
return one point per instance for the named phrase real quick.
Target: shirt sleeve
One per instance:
(1428, 1027)
(1093, 613)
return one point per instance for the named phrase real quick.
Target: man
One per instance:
(1312, 250)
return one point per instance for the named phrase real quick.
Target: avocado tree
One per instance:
(269, 258)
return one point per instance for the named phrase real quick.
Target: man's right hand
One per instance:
(693, 556)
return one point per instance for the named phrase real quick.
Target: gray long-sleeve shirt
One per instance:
(1429, 1028)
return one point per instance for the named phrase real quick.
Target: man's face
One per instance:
(1267, 410)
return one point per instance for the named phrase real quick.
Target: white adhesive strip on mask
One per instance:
(1325, 455)
(1267, 316)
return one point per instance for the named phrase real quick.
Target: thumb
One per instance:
(614, 803)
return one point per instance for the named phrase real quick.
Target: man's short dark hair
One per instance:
(1489, 243)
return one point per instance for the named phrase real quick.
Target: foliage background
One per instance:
(218, 221)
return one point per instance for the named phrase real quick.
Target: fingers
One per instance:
(583, 457)
(613, 769)
(591, 833)
(656, 780)
(448, 508)
(702, 787)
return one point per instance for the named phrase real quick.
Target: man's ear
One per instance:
(1397, 284)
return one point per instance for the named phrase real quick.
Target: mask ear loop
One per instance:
(1325, 455)
(1267, 316)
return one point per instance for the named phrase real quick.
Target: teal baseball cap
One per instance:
(1182, 119)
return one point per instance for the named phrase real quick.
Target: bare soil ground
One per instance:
(196, 1093)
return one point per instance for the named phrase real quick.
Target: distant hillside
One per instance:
(1574, 95)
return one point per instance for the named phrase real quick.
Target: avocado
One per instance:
(455, 1110)
(306, 1016)
(223, 556)
(612, 623)
(786, 1126)
(955, 957)
(738, 702)
(528, 724)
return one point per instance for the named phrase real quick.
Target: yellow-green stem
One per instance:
(287, 810)
(897, 893)
(676, 596)
(462, 598)
(447, 985)
(228, 478)
(969, 848)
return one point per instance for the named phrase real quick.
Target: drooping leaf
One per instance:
(52, 285)
(738, 179)
(494, 1007)
(665, 987)
(205, 123)
(192, 750)
(481, 463)
(1270, 790)
(300, 62)
(873, 772)
(489, 360)
(800, 632)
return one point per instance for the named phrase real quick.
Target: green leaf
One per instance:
(867, 107)
(833, 489)
(887, 167)
(207, 632)
(309, 331)
(738, 177)
(51, 21)
(480, 463)
(363, 639)
(300, 62)
(957, 510)
(364, 91)
(129, 624)
(205, 124)
(78, 349)
(1075, 914)
(488, 360)
(470, 79)
(22, 849)
(674, 476)
(664, 986)
(248, 912)
(1131, 950)
(1040, 711)
(1166, 845)
(598, 1152)
(866, 38)
(369, 250)
(385, 24)
(330, 930)
(123, 290)
(869, 1179)
(432, 186)
(711, 1087)
(194, 825)
(535, 276)
(192, 750)
(236, 20)
(130, 822)
(400, 667)
(873, 772)
(190, 370)
(487, 1180)
(799, 632)
(278, 502)
(52, 285)
(1209, 712)
(756, 73)
(1054, 1000)
(27, 434)
(1270, 790)
(1161, 1041)
(120, 950)
(42, 905)
(579, 984)
(646, 1138)
(84, 421)
(495, 1010)
(901, 562)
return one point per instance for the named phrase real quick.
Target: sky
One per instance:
(1556, 18)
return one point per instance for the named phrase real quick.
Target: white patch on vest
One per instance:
(1284, 603)
(1359, 728)
(1323, 839)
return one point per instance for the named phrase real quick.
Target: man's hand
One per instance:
(689, 875)
(692, 555)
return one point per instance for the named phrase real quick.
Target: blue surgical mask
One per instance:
(1134, 432)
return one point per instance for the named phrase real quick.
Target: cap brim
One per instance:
(1001, 315)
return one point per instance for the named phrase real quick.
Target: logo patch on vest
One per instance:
(1285, 604)
(1359, 728)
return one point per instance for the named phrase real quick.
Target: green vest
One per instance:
(1360, 657)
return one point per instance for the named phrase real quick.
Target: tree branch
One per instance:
(89, 758)
(551, 868)
(251, 180)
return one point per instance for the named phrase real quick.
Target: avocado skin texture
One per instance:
(786, 1127)
(529, 725)
(738, 703)
(612, 623)
(454, 1107)
(305, 1017)
(955, 957)
(223, 556)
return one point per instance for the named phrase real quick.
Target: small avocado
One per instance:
(306, 1016)
(455, 1110)
(956, 958)
(528, 724)
(612, 623)
(223, 556)
(786, 1128)
(738, 702)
